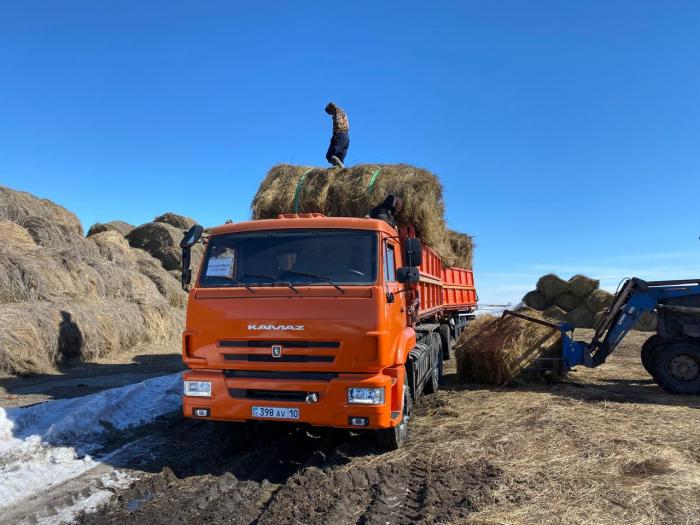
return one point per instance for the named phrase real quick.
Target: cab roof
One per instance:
(306, 221)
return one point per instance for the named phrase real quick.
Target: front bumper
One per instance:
(332, 408)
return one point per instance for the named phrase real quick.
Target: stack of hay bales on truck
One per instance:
(64, 296)
(353, 192)
(578, 301)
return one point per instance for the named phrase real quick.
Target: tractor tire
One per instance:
(394, 438)
(677, 367)
(433, 384)
(649, 350)
(446, 339)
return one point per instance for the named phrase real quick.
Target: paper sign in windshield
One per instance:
(222, 267)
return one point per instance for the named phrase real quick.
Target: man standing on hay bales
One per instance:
(340, 141)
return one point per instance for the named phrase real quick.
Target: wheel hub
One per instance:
(684, 367)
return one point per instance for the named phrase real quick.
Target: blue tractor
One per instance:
(671, 356)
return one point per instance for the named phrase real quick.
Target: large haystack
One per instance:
(497, 350)
(65, 296)
(354, 191)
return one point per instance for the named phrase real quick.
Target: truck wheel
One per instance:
(394, 438)
(649, 350)
(432, 385)
(677, 368)
(446, 339)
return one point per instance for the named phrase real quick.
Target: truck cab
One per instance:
(310, 319)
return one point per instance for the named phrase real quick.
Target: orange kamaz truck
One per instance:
(337, 322)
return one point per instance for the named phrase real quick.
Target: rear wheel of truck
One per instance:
(649, 350)
(436, 374)
(394, 438)
(446, 340)
(677, 367)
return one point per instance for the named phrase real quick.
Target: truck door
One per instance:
(396, 302)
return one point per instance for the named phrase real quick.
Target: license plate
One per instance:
(275, 412)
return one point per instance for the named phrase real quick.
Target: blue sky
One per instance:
(567, 134)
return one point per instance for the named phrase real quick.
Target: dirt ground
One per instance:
(605, 447)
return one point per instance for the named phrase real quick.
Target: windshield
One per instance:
(298, 257)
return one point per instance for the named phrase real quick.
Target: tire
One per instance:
(649, 350)
(394, 438)
(677, 368)
(446, 340)
(433, 384)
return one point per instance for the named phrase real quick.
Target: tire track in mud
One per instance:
(203, 472)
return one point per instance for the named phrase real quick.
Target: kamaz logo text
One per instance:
(275, 327)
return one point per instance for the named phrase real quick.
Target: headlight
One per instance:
(366, 396)
(198, 388)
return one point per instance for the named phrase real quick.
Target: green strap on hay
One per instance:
(297, 193)
(375, 174)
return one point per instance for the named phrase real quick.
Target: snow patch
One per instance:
(47, 444)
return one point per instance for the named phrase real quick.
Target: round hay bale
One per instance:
(536, 300)
(462, 246)
(554, 313)
(15, 237)
(551, 286)
(31, 275)
(161, 241)
(598, 300)
(120, 227)
(597, 318)
(114, 247)
(581, 286)
(567, 301)
(16, 206)
(580, 317)
(167, 283)
(353, 192)
(179, 221)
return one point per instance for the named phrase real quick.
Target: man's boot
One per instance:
(337, 162)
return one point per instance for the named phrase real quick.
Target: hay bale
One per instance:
(179, 221)
(581, 286)
(496, 350)
(162, 241)
(17, 206)
(114, 247)
(551, 286)
(30, 275)
(598, 300)
(120, 227)
(567, 301)
(462, 246)
(167, 283)
(15, 237)
(581, 317)
(347, 193)
(536, 300)
(554, 313)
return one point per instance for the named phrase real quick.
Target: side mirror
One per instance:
(407, 275)
(412, 252)
(189, 240)
(192, 236)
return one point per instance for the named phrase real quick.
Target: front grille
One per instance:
(256, 343)
(268, 395)
(274, 374)
(264, 358)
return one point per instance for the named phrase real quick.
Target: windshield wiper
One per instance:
(317, 276)
(272, 278)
